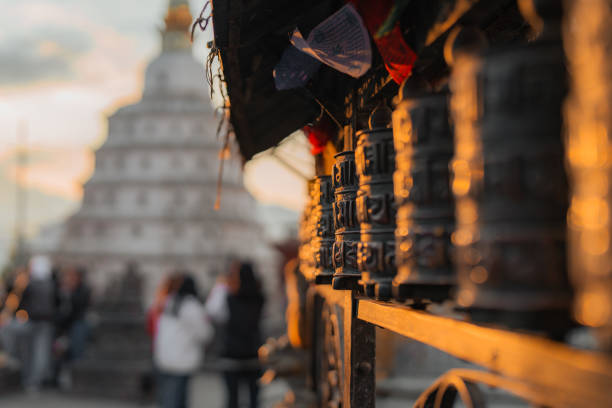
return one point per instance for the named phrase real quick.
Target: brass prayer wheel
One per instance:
(302, 250)
(510, 185)
(306, 234)
(376, 209)
(425, 217)
(345, 183)
(323, 222)
(588, 41)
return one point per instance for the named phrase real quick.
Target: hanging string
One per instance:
(323, 108)
(201, 21)
(288, 165)
(221, 121)
(223, 156)
(214, 53)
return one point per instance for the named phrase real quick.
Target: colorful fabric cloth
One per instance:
(340, 41)
(294, 69)
(399, 58)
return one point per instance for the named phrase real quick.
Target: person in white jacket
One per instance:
(183, 329)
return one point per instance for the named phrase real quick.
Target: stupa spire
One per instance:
(178, 20)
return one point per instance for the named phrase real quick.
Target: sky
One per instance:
(64, 66)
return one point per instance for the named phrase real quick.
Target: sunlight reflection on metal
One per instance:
(588, 38)
(509, 181)
(423, 141)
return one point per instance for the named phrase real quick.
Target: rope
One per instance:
(201, 21)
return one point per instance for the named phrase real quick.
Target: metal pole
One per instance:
(21, 197)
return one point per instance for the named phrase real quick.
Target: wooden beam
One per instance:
(567, 377)
(359, 358)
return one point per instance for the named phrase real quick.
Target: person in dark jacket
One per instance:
(238, 303)
(38, 308)
(74, 304)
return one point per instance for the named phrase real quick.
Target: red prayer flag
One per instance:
(399, 58)
(319, 134)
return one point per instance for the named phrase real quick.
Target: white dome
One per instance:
(175, 73)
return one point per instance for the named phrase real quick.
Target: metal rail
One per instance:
(556, 374)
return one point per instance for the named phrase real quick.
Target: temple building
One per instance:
(151, 198)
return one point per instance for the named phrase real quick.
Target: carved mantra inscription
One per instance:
(324, 230)
(345, 254)
(325, 223)
(378, 158)
(376, 208)
(425, 217)
(323, 192)
(323, 255)
(377, 258)
(344, 173)
(375, 155)
(425, 249)
(345, 214)
(345, 221)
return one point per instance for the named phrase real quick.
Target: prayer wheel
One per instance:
(376, 209)
(510, 185)
(425, 217)
(588, 41)
(302, 250)
(344, 180)
(306, 233)
(323, 222)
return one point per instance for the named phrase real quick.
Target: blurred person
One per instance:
(12, 328)
(237, 302)
(38, 310)
(3, 291)
(74, 295)
(167, 288)
(182, 330)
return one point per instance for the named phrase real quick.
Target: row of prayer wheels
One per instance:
(468, 193)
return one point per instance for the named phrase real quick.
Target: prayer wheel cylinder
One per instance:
(345, 183)
(302, 250)
(323, 239)
(510, 185)
(376, 209)
(306, 234)
(425, 217)
(588, 41)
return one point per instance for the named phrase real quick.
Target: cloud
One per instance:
(45, 41)
(51, 170)
(46, 53)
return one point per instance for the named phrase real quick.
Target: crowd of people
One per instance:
(43, 326)
(181, 324)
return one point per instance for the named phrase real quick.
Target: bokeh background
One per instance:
(65, 66)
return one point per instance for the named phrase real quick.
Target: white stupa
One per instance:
(150, 199)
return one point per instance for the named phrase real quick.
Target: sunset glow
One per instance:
(67, 65)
